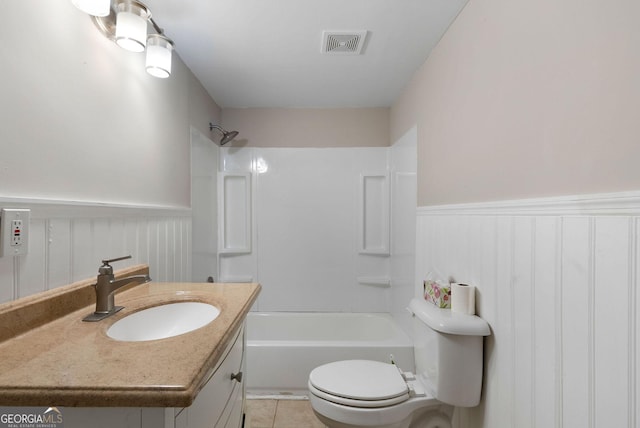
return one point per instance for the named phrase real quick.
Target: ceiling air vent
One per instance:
(343, 42)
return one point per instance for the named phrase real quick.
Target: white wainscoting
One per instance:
(68, 240)
(557, 281)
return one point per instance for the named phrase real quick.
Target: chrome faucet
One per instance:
(105, 287)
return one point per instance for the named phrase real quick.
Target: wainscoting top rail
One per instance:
(51, 208)
(621, 203)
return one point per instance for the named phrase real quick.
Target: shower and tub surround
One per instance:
(283, 347)
(49, 356)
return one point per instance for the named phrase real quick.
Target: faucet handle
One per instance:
(106, 269)
(117, 259)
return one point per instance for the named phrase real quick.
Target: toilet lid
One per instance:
(360, 380)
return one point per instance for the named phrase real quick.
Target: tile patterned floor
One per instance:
(281, 414)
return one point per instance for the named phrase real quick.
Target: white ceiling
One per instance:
(267, 53)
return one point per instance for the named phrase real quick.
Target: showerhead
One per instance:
(227, 136)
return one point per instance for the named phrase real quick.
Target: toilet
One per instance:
(448, 356)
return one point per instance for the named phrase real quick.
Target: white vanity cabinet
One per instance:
(220, 403)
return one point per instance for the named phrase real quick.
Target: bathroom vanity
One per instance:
(49, 357)
(219, 404)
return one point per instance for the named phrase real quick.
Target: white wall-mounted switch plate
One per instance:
(14, 231)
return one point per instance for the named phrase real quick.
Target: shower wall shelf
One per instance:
(374, 217)
(382, 281)
(234, 205)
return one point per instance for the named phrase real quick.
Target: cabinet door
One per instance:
(237, 409)
(226, 414)
(212, 400)
(181, 420)
(237, 400)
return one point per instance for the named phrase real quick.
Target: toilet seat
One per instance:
(359, 383)
(369, 404)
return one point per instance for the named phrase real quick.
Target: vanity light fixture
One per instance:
(126, 23)
(93, 7)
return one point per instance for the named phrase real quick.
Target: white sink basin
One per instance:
(161, 322)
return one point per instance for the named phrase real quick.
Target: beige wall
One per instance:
(519, 99)
(83, 121)
(279, 127)
(528, 98)
(202, 109)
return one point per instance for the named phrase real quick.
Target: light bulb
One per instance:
(131, 25)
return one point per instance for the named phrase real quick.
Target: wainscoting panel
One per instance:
(577, 322)
(612, 314)
(68, 241)
(557, 281)
(545, 337)
(522, 329)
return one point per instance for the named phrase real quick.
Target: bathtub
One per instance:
(283, 347)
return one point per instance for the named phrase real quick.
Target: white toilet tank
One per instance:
(448, 352)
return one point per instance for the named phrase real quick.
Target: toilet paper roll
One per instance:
(463, 298)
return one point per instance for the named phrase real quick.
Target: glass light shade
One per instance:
(131, 26)
(159, 51)
(93, 7)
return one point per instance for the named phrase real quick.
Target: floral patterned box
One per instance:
(437, 292)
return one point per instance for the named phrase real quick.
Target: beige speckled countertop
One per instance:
(67, 362)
